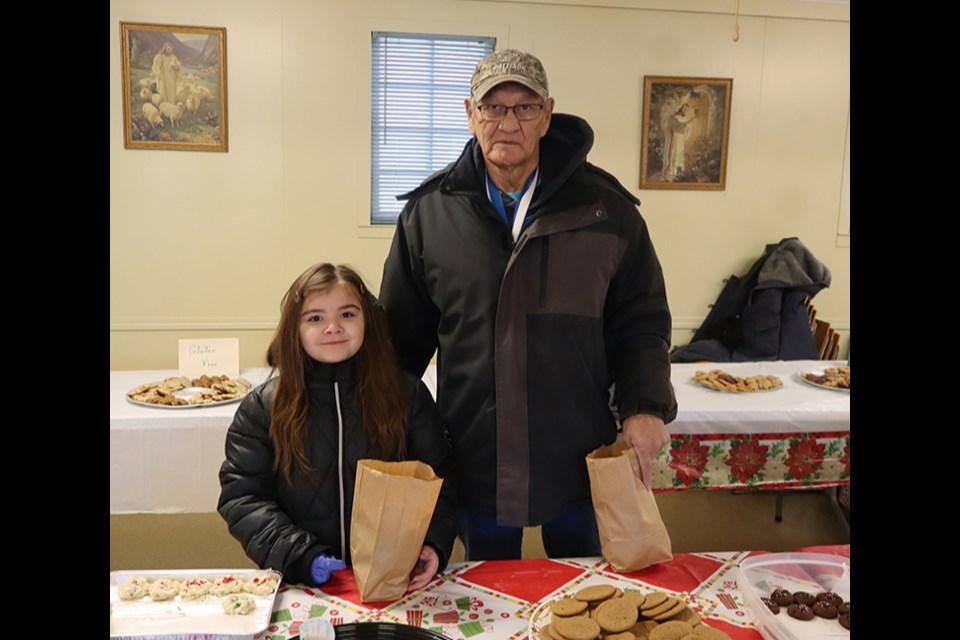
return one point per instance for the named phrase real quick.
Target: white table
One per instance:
(167, 460)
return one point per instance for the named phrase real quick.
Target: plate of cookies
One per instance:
(833, 378)
(233, 604)
(181, 392)
(607, 612)
(720, 380)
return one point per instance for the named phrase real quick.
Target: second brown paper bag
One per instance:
(393, 503)
(632, 534)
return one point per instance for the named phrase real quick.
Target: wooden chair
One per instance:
(822, 335)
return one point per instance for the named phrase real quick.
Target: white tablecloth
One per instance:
(167, 460)
(797, 406)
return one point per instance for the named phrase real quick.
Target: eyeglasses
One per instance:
(497, 112)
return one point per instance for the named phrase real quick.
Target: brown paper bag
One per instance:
(632, 534)
(392, 506)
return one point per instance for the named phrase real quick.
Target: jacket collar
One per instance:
(562, 152)
(327, 373)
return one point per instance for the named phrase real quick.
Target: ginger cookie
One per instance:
(709, 633)
(674, 614)
(595, 593)
(672, 630)
(653, 600)
(576, 628)
(687, 615)
(635, 597)
(667, 610)
(643, 628)
(567, 607)
(616, 615)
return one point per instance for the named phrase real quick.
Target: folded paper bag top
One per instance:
(632, 533)
(393, 503)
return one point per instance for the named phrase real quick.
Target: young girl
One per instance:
(335, 395)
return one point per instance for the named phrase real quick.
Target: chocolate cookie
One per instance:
(773, 606)
(800, 611)
(843, 607)
(782, 597)
(825, 609)
(830, 597)
(844, 620)
(804, 597)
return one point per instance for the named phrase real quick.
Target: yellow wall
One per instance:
(204, 244)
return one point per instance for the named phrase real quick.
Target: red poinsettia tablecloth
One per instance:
(494, 600)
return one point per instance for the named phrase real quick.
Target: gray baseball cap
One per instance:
(509, 65)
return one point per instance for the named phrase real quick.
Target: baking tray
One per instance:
(180, 619)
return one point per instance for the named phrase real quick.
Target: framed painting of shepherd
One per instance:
(174, 87)
(685, 134)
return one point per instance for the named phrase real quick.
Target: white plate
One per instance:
(185, 394)
(818, 372)
(538, 619)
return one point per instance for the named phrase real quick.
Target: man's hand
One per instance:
(647, 435)
(425, 568)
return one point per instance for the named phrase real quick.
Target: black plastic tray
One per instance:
(384, 631)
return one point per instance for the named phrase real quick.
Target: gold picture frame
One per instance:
(174, 87)
(686, 132)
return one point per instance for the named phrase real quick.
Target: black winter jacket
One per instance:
(284, 527)
(532, 335)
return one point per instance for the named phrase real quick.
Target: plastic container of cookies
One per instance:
(187, 617)
(811, 572)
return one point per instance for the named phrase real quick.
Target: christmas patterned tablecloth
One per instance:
(494, 600)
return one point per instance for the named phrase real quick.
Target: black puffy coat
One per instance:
(284, 527)
(761, 315)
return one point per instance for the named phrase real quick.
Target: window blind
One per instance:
(418, 124)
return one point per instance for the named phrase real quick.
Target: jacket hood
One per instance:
(562, 151)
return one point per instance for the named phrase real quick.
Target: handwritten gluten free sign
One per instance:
(213, 357)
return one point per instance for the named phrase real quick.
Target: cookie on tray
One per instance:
(260, 585)
(238, 604)
(164, 589)
(226, 585)
(134, 588)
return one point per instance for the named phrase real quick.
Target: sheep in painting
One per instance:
(145, 94)
(173, 112)
(192, 104)
(152, 115)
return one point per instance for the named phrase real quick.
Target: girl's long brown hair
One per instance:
(380, 400)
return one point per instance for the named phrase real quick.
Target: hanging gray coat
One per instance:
(761, 315)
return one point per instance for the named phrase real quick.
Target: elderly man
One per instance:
(532, 275)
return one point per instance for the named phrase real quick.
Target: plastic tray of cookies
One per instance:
(813, 573)
(179, 607)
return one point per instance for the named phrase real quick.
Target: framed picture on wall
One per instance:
(685, 133)
(174, 87)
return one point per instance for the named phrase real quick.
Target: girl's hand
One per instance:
(425, 569)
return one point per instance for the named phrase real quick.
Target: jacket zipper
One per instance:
(343, 533)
